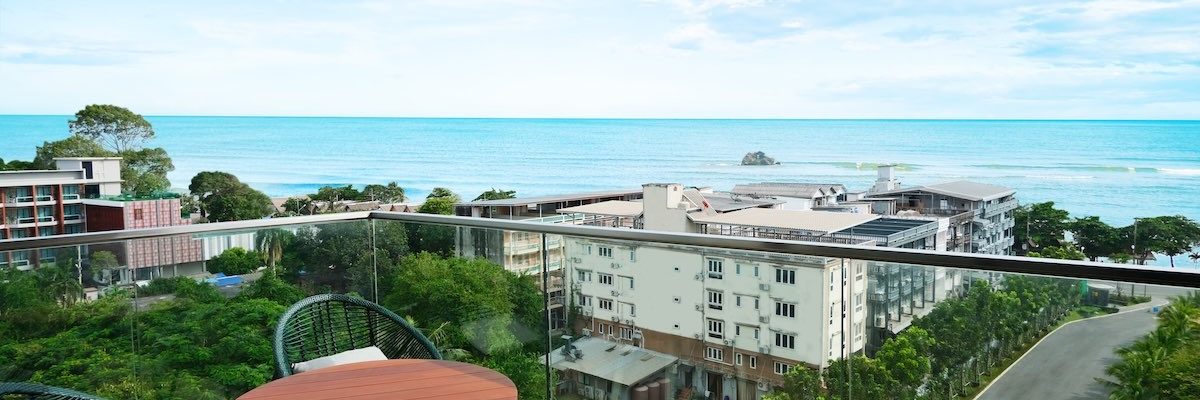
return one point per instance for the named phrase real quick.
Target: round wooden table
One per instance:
(391, 379)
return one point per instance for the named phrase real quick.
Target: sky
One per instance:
(1104, 59)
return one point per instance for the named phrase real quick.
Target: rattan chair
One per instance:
(35, 391)
(328, 324)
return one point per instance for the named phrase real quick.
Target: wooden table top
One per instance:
(391, 379)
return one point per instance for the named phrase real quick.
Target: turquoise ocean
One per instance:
(1117, 170)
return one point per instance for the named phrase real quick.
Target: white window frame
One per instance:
(716, 268)
(737, 358)
(785, 341)
(603, 277)
(781, 368)
(785, 309)
(626, 333)
(786, 276)
(716, 328)
(605, 251)
(753, 362)
(585, 300)
(713, 353)
(716, 299)
(630, 280)
(583, 275)
(603, 301)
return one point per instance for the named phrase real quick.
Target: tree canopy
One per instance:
(223, 197)
(1095, 238)
(116, 128)
(145, 171)
(235, 261)
(72, 146)
(1038, 225)
(390, 193)
(496, 194)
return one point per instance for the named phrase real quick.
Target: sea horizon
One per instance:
(636, 118)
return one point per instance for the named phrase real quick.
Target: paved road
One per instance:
(1065, 365)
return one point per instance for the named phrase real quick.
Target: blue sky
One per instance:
(560, 58)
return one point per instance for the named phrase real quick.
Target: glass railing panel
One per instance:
(62, 321)
(475, 295)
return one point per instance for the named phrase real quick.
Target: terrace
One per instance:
(167, 345)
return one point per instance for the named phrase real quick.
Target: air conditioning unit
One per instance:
(586, 312)
(576, 260)
(727, 342)
(616, 293)
(764, 319)
(616, 318)
(698, 277)
(698, 307)
(764, 349)
(586, 332)
(764, 287)
(881, 321)
(615, 265)
(763, 386)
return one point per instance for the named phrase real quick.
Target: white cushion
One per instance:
(346, 357)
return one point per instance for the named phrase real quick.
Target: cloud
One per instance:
(691, 37)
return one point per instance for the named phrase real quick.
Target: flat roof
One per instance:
(886, 226)
(973, 191)
(87, 158)
(817, 221)
(725, 202)
(524, 201)
(621, 363)
(616, 208)
(789, 189)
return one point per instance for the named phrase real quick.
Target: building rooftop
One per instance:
(724, 202)
(524, 201)
(788, 189)
(615, 208)
(621, 363)
(973, 191)
(815, 221)
(885, 226)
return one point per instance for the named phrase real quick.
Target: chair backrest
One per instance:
(327, 324)
(36, 391)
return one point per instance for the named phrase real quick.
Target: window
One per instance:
(783, 275)
(626, 282)
(137, 214)
(737, 330)
(716, 328)
(756, 333)
(632, 256)
(756, 271)
(584, 276)
(585, 301)
(737, 300)
(713, 353)
(755, 303)
(737, 269)
(781, 368)
(785, 309)
(716, 299)
(716, 268)
(737, 358)
(626, 333)
(753, 362)
(606, 279)
(606, 304)
(630, 308)
(605, 251)
(785, 341)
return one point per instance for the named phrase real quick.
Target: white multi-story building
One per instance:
(738, 320)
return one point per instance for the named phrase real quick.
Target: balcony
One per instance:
(152, 341)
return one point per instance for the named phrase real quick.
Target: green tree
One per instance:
(235, 261)
(224, 198)
(16, 165)
(331, 194)
(115, 128)
(270, 243)
(1170, 235)
(1095, 238)
(145, 171)
(103, 263)
(799, 383)
(1066, 252)
(72, 146)
(299, 206)
(906, 356)
(1038, 225)
(441, 192)
(390, 193)
(495, 194)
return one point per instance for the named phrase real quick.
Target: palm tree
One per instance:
(270, 243)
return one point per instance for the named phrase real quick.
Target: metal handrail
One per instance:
(983, 262)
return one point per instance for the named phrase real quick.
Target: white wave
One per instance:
(1063, 177)
(1180, 171)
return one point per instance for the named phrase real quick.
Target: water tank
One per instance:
(655, 391)
(641, 393)
(664, 388)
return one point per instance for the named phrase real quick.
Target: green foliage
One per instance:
(224, 198)
(16, 165)
(495, 194)
(144, 171)
(235, 261)
(906, 356)
(299, 206)
(1170, 235)
(442, 193)
(331, 194)
(159, 286)
(1065, 252)
(272, 288)
(526, 370)
(1095, 238)
(1038, 225)
(390, 193)
(72, 146)
(115, 128)
(270, 244)
(1163, 364)
(438, 205)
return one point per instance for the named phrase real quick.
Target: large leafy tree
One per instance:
(223, 197)
(72, 146)
(390, 193)
(1170, 235)
(1038, 225)
(1065, 252)
(1095, 238)
(145, 171)
(116, 128)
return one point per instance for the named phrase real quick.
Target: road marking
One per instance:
(1035, 345)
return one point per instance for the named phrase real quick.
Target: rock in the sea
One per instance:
(758, 158)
